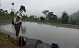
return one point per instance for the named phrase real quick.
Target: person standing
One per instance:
(16, 21)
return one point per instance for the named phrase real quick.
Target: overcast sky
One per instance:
(35, 7)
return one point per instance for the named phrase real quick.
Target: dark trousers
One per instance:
(17, 29)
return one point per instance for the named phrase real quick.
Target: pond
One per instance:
(64, 37)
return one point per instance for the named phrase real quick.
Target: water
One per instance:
(64, 37)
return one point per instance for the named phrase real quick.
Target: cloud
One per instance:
(37, 6)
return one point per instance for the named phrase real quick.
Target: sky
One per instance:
(35, 7)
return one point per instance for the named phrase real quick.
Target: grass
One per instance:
(5, 16)
(8, 42)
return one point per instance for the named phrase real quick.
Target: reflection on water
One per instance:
(64, 37)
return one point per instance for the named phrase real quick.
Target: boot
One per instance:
(17, 37)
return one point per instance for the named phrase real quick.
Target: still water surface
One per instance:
(64, 37)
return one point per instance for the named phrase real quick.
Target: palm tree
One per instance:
(22, 9)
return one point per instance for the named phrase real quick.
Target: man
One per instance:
(16, 21)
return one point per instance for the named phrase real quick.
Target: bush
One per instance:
(5, 16)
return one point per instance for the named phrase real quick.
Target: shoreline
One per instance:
(30, 42)
(4, 22)
(58, 25)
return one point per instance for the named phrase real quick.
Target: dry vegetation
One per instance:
(8, 42)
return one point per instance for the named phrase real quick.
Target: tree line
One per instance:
(52, 17)
(49, 16)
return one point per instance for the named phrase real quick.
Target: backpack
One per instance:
(54, 45)
(12, 22)
(21, 41)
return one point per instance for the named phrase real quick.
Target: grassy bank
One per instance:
(5, 16)
(8, 42)
(40, 21)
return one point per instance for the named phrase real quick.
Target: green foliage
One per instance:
(75, 16)
(74, 22)
(24, 17)
(5, 11)
(65, 17)
(1, 10)
(45, 12)
(5, 16)
(77, 23)
(55, 18)
(11, 13)
(42, 18)
(32, 17)
(50, 16)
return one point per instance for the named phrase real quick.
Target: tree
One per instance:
(50, 16)
(59, 19)
(55, 17)
(32, 17)
(11, 13)
(75, 16)
(24, 16)
(42, 18)
(45, 12)
(22, 9)
(5, 11)
(1, 10)
(65, 17)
